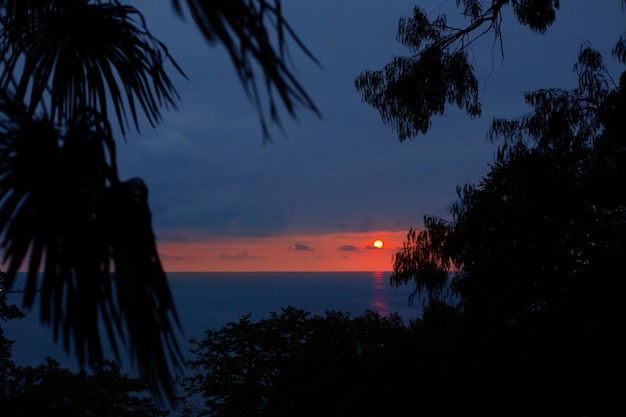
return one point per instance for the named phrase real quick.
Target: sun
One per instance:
(378, 244)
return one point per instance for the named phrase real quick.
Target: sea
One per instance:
(210, 300)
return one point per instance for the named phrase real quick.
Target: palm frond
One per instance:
(255, 32)
(64, 212)
(73, 54)
(143, 293)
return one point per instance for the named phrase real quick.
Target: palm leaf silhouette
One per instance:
(65, 212)
(255, 32)
(77, 54)
(84, 236)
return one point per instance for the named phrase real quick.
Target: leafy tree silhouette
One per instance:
(296, 363)
(527, 272)
(49, 389)
(437, 73)
(63, 207)
(547, 216)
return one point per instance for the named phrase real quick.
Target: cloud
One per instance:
(219, 216)
(299, 246)
(347, 248)
(208, 171)
(165, 256)
(308, 258)
(243, 256)
(167, 143)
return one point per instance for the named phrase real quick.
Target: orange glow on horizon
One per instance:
(290, 253)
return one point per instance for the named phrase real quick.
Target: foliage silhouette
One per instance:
(50, 390)
(411, 89)
(7, 311)
(295, 363)
(63, 208)
(526, 275)
(241, 26)
(523, 286)
(547, 213)
(74, 55)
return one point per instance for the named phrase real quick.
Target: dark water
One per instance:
(210, 300)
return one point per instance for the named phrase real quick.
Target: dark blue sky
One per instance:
(212, 179)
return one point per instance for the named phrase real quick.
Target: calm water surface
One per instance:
(210, 300)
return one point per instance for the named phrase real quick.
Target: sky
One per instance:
(318, 195)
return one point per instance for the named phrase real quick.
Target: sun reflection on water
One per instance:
(379, 303)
